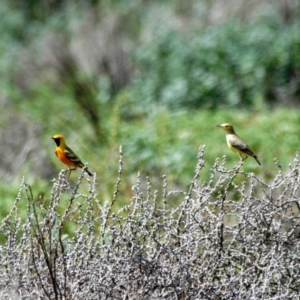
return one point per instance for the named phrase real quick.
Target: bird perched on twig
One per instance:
(67, 156)
(236, 144)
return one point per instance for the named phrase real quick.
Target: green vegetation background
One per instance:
(155, 77)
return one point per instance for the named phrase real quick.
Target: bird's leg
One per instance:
(241, 162)
(241, 157)
(70, 170)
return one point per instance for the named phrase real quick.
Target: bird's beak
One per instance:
(219, 126)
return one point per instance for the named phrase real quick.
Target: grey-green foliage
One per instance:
(223, 241)
(11, 36)
(233, 63)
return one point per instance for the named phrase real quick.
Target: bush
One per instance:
(224, 241)
(233, 64)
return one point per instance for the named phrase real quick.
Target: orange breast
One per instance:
(60, 154)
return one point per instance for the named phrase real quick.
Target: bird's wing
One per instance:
(239, 144)
(73, 157)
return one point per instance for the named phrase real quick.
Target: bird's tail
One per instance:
(87, 170)
(255, 157)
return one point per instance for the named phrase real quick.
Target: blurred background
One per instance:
(156, 77)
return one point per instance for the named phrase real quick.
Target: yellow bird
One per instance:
(236, 144)
(66, 155)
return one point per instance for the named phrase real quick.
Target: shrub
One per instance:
(224, 241)
(232, 64)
